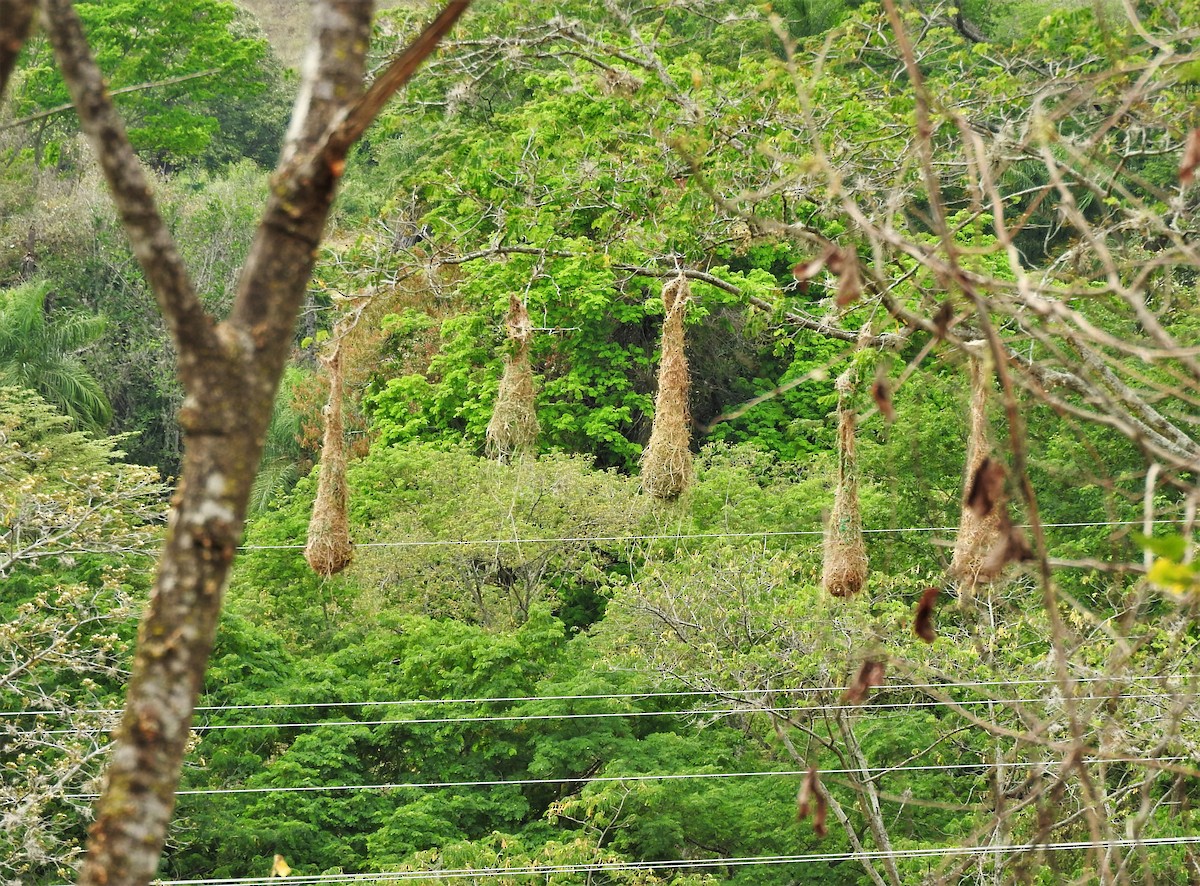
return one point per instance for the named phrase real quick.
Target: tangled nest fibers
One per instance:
(513, 428)
(978, 535)
(329, 549)
(667, 458)
(844, 570)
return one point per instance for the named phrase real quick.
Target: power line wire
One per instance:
(671, 776)
(684, 864)
(765, 533)
(601, 715)
(684, 693)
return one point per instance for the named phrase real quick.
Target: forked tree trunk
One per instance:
(229, 370)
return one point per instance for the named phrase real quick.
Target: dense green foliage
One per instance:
(38, 351)
(230, 110)
(77, 528)
(535, 664)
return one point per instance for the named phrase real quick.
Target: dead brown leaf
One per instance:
(844, 263)
(869, 675)
(819, 814)
(1011, 548)
(1191, 158)
(806, 270)
(987, 487)
(810, 799)
(942, 318)
(882, 395)
(923, 623)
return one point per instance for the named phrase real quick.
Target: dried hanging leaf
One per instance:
(1019, 550)
(942, 318)
(806, 270)
(923, 623)
(883, 399)
(804, 795)
(1011, 548)
(845, 265)
(1191, 158)
(842, 263)
(810, 799)
(869, 676)
(987, 487)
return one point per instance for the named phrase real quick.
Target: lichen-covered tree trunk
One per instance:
(176, 633)
(230, 372)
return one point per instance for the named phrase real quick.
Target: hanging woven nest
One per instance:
(844, 568)
(978, 534)
(329, 549)
(667, 458)
(513, 428)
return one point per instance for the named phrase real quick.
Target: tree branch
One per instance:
(230, 373)
(15, 18)
(397, 74)
(190, 326)
(62, 109)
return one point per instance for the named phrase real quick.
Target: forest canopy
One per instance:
(906, 292)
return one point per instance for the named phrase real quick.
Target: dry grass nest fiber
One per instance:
(667, 458)
(977, 535)
(844, 566)
(513, 428)
(329, 549)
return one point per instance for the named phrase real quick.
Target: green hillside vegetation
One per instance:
(534, 670)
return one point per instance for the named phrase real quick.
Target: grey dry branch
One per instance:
(230, 372)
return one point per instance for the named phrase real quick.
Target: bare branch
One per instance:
(397, 74)
(124, 90)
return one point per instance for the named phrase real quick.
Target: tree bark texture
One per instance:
(230, 372)
(15, 18)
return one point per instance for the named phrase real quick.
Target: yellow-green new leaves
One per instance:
(1170, 569)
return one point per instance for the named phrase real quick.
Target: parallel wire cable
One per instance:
(684, 864)
(722, 712)
(687, 536)
(668, 776)
(685, 693)
(600, 715)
